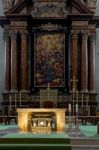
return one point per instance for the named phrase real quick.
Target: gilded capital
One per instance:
(23, 34)
(14, 34)
(74, 34)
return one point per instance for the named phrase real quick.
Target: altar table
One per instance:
(24, 117)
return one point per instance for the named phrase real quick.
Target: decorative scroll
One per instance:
(49, 9)
(49, 60)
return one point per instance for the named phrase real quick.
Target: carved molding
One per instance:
(50, 27)
(49, 9)
(80, 23)
(18, 23)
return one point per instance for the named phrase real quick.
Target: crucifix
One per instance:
(74, 83)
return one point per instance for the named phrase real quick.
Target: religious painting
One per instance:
(49, 60)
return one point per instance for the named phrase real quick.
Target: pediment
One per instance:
(49, 8)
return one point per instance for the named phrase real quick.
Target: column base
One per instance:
(92, 91)
(14, 91)
(84, 91)
(24, 91)
(6, 91)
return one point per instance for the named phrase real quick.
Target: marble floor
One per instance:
(87, 131)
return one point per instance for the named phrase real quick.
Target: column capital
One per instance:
(84, 34)
(24, 34)
(6, 35)
(14, 34)
(92, 36)
(74, 34)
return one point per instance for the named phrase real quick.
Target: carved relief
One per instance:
(91, 4)
(49, 9)
(8, 4)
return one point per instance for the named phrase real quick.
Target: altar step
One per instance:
(35, 146)
(84, 144)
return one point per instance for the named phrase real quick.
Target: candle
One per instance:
(69, 107)
(82, 100)
(20, 98)
(15, 100)
(76, 107)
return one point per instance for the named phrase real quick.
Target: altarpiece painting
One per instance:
(49, 59)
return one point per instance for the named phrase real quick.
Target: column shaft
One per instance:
(84, 63)
(8, 63)
(14, 62)
(74, 56)
(92, 64)
(24, 62)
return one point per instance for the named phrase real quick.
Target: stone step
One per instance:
(85, 147)
(84, 141)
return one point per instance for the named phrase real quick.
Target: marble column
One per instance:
(74, 56)
(8, 63)
(84, 63)
(24, 61)
(92, 63)
(14, 61)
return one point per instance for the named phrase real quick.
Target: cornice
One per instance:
(76, 3)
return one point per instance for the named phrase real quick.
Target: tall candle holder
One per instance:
(70, 125)
(20, 98)
(82, 100)
(87, 100)
(10, 107)
(15, 100)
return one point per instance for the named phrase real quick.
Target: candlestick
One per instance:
(89, 111)
(20, 98)
(70, 124)
(87, 99)
(82, 100)
(10, 102)
(77, 97)
(73, 100)
(15, 100)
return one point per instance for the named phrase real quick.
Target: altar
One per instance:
(25, 117)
